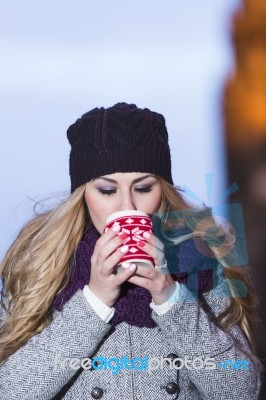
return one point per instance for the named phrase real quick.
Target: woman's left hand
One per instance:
(158, 281)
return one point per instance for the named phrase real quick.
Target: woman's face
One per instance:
(121, 191)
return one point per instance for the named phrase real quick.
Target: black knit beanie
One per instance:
(122, 138)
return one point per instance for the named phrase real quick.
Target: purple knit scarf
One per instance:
(187, 264)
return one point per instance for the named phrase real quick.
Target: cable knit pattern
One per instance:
(118, 139)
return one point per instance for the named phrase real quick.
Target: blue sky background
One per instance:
(60, 59)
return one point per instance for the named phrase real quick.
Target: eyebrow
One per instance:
(134, 181)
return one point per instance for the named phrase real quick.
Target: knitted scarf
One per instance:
(185, 263)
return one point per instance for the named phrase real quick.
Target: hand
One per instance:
(103, 282)
(158, 281)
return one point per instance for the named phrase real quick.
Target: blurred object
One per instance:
(244, 107)
(245, 93)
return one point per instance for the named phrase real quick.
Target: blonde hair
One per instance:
(37, 267)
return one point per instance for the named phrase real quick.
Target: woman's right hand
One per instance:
(103, 282)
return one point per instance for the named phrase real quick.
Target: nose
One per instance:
(127, 202)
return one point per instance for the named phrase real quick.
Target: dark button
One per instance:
(96, 364)
(97, 393)
(172, 357)
(172, 388)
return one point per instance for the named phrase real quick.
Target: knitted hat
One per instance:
(122, 138)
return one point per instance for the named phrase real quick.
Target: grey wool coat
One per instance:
(184, 330)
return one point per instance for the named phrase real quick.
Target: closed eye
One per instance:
(107, 192)
(140, 190)
(146, 189)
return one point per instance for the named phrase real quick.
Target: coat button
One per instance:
(172, 357)
(92, 368)
(97, 393)
(171, 388)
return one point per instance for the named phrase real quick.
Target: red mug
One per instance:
(134, 224)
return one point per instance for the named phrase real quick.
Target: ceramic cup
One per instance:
(134, 224)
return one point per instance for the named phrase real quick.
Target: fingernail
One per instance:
(125, 264)
(116, 227)
(132, 267)
(124, 248)
(141, 243)
(147, 235)
(123, 236)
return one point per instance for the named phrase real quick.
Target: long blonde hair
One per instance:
(36, 268)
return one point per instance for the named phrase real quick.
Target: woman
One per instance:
(64, 305)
